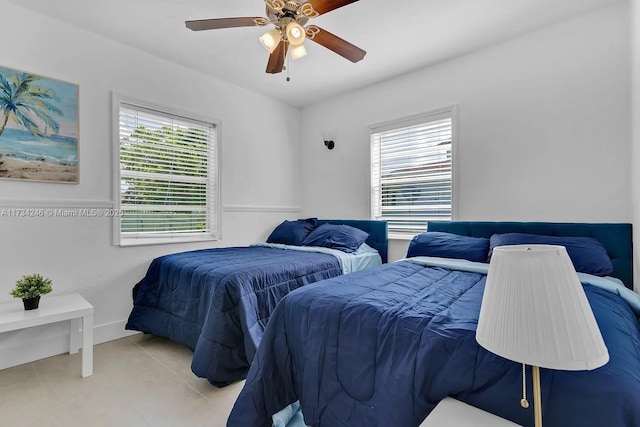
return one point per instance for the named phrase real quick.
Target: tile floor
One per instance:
(138, 381)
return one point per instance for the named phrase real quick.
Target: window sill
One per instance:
(142, 241)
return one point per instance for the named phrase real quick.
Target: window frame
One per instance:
(213, 175)
(407, 121)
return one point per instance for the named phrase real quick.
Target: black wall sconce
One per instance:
(329, 138)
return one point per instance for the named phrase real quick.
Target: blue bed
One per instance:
(383, 346)
(218, 301)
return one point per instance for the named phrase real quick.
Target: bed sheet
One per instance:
(365, 257)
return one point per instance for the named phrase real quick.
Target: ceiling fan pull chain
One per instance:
(287, 67)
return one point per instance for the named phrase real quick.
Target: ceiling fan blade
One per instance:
(276, 59)
(324, 6)
(342, 47)
(214, 24)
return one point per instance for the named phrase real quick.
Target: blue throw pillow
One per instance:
(292, 232)
(447, 245)
(342, 237)
(587, 254)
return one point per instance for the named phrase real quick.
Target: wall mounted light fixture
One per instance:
(329, 139)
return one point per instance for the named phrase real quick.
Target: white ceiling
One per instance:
(399, 36)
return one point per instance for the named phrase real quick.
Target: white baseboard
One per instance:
(111, 331)
(52, 344)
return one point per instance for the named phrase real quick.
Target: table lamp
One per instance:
(534, 311)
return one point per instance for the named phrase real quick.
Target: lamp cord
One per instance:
(524, 402)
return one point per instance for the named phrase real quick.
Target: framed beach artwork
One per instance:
(38, 128)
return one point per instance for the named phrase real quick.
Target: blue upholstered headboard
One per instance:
(378, 232)
(616, 238)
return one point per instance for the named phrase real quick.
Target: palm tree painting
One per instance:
(38, 128)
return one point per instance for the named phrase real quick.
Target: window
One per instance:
(166, 181)
(411, 171)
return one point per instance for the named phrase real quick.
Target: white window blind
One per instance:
(411, 171)
(167, 170)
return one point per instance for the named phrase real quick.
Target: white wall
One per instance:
(77, 253)
(544, 134)
(635, 123)
(543, 129)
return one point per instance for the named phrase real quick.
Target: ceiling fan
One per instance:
(289, 18)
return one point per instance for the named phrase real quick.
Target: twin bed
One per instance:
(381, 347)
(218, 301)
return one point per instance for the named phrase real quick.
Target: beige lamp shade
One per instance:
(298, 52)
(270, 40)
(534, 311)
(295, 34)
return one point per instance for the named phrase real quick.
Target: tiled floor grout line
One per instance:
(175, 374)
(165, 367)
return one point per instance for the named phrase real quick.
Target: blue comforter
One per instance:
(218, 301)
(382, 347)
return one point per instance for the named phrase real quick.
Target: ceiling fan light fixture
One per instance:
(290, 19)
(298, 52)
(270, 40)
(295, 33)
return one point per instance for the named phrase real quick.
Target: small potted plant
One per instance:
(29, 288)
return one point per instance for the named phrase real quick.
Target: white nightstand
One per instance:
(56, 308)
(451, 412)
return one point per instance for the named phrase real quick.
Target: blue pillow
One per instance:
(447, 245)
(292, 232)
(587, 254)
(337, 236)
